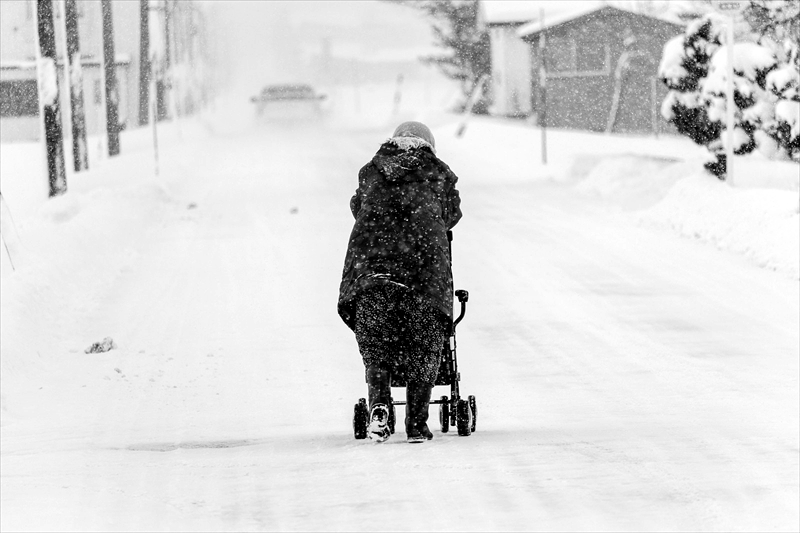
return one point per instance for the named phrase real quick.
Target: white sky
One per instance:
(277, 40)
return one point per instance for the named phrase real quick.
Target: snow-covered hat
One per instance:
(415, 129)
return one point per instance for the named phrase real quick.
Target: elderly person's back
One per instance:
(397, 287)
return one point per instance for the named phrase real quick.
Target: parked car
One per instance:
(295, 97)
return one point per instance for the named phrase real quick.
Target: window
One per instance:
(590, 55)
(559, 51)
(19, 98)
(584, 56)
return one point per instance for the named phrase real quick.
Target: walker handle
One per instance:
(463, 297)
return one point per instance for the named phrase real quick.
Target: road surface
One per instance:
(627, 378)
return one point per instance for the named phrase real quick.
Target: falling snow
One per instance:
(172, 357)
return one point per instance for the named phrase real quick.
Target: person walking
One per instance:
(396, 292)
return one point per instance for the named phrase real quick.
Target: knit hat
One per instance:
(415, 129)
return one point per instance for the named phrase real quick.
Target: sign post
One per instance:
(729, 8)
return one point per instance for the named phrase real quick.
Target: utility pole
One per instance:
(80, 157)
(109, 68)
(49, 104)
(168, 81)
(543, 87)
(729, 105)
(153, 100)
(144, 61)
(167, 24)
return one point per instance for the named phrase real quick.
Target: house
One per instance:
(510, 83)
(19, 107)
(600, 66)
(19, 119)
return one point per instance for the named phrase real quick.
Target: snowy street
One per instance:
(627, 378)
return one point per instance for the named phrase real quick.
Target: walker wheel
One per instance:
(463, 418)
(473, 407)
(360, 419)
(444, 414)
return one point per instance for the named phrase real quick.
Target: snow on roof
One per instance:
(554, 17)
(516, 11)
(580, 9)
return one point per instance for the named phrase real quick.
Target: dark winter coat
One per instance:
(405, 203)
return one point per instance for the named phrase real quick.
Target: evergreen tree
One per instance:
(460, 33)
(684, 67)
(784, 83)
(766, 79)
(776, 24)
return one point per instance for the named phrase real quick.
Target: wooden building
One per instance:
(19, 106)
(600, 67)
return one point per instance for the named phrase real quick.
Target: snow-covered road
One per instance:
(627, 379)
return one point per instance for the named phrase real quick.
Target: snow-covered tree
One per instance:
(464, 40)
(775, 19)
(684, 68)
(694, 67)
(754, 104)
(776, 23)
(784, 83)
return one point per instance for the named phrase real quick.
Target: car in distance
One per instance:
(287, 96)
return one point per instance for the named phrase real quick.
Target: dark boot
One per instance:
(418, 397)
(378, 385)
(380, 402)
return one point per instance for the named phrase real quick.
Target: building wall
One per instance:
(17, 35)
(23, 124)
(27, 128)
(511, 84)
(18, 53)
(581, 60)
(126, 48)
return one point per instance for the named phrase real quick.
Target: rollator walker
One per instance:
(454, 411)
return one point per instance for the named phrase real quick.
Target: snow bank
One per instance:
(655, 181)
(758, 217)
(71, 249)
(633, 181)
(763, 225)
